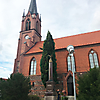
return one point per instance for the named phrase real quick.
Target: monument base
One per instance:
(50, 98)
(50, 93)
(50, 88)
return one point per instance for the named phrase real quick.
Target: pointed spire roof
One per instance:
(33, 7)
(24, 13)
(40, 17)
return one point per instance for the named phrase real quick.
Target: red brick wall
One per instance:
(30, 33)
(61, 61)
(26, 64)
(81, 60)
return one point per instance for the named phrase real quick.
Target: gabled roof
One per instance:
(75, 40)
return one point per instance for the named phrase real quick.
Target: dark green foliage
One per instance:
(15, 88)
(48, 49)
(89, 85)
(34, 97)
(64, 98)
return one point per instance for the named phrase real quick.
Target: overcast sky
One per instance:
(61, 17)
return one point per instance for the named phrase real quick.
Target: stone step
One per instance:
(70, 97)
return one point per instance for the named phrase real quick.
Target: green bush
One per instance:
(34, 97)
(89, 85)
(64, 98)
(15, 88)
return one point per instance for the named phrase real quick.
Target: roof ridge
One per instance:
(77, 35)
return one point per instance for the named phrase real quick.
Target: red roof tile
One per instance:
(3, 79)
(75, 40)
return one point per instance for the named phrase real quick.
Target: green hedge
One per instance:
(34, 97)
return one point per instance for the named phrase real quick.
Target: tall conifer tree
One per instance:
(48, 49)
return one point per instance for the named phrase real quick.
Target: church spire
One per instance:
(24, 13)
(33, 7)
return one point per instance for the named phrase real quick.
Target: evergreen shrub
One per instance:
(15, 88)
(64, 98)
(89, 85)
(34, 97)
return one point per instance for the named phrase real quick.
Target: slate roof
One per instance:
(75, 40)
(33, 7)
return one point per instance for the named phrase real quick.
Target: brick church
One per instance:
(27, 62)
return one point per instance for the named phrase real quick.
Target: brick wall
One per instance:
(81, 62)
(37, 86)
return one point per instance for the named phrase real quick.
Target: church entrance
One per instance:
(70, 86)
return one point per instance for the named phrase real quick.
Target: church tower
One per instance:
(31, 28)
(30, 33)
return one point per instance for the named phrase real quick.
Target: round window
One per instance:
(26, 37)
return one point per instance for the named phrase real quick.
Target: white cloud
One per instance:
(61, 17)
(5, 69)
(1, 47)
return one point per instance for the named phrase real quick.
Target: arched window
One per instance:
(37, 25)
(70, 86)
(93, 58)
(28, 24)
(71, 62)
(32, 67)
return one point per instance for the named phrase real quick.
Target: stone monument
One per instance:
(50, 93)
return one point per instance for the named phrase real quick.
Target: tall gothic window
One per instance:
(70, 86)
(70, 62)
(93, 58)
(37, 25)
(28, 24)
(33, 67)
